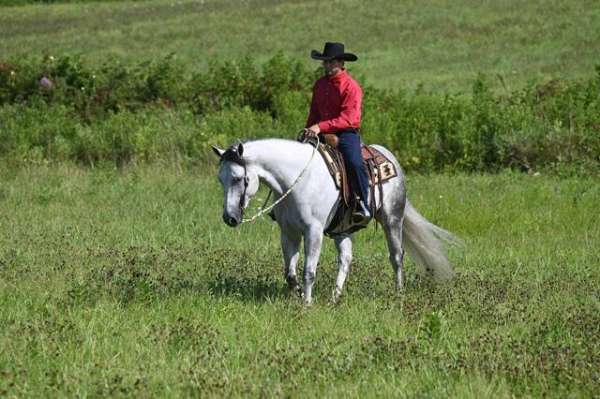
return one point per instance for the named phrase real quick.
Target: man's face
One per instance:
(332, 67)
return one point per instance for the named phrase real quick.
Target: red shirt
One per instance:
(336, 103)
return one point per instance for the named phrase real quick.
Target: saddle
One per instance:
(379, 169)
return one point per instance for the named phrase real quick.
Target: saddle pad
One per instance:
(335, 164)
(383, 168)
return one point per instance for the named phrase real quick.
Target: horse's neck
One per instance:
(278, 162)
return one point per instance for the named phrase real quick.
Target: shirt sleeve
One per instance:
(350, 112)
(313, 115)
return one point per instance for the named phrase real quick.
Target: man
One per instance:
(336, 108)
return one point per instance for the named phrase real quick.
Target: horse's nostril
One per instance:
(229, 220)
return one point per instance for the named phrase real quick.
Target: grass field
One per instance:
(125, 282)
(128, 284)
(400, 43)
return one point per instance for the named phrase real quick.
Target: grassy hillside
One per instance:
(129, 284)
(400, 43)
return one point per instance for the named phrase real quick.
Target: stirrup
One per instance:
(360, 218)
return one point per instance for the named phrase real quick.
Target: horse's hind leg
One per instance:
(343, 243)
(392, 224)
(290, 245)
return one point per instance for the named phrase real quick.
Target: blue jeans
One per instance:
(349, 146)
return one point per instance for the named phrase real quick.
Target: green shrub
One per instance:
(241, 84)
(155, 110)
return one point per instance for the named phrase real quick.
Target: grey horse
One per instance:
(309, 206)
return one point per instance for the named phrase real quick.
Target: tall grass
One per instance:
(127, 283)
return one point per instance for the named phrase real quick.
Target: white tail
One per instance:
(425, 243)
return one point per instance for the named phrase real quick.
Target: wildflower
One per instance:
(46, 83)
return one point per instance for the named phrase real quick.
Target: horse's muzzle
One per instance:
(230, 220)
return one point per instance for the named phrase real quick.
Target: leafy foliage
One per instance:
(63, 109)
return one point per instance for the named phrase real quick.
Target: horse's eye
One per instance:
(236, 179)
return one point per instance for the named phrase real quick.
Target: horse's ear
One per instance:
(240, 149)
(218, 151)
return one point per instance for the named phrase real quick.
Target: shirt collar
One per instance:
(340, 76)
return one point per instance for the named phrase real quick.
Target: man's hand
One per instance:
(313, 130)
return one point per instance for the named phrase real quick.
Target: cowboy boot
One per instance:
(361, 214)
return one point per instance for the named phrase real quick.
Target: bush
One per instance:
(61, 109)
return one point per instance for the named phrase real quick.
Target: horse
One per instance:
(308, 199)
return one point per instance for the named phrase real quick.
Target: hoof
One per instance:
(295, 292)
(335, 297)
(294, 286)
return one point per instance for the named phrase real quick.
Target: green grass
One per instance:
(128, 284)
(400, 43)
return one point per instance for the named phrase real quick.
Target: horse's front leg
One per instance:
(290, 245)
(313, 240)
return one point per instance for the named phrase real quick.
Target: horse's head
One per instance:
(239, 180)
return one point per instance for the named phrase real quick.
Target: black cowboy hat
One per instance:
(333, 51)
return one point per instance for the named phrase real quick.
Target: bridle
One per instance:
(232, 155)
